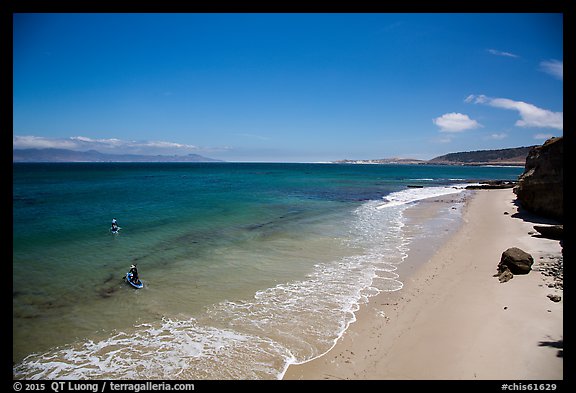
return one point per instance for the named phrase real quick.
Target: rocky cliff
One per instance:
(540, 188)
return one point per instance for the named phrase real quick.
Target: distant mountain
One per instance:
(64, 155)
(514, 157)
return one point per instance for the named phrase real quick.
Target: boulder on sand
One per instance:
(516, 260)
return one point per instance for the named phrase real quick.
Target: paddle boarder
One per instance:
(134, 272)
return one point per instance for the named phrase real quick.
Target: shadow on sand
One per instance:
(528, 216)
(554, 344)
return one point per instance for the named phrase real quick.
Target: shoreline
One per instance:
(453, 319)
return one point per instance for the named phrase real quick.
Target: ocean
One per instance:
(247, 268)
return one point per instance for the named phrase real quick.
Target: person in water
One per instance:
(114, 225)
(134, 271)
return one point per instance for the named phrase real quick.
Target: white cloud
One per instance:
(111, 145)
(554, 68)
(476, 99)
(501, 53)
(530, 115)
(498, 136)
(455, 122)
(37, 142)
(167, 145)
(543, 136)
(106, 143)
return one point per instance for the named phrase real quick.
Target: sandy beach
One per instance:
(454, 320)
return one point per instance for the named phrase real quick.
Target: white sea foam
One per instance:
(411, 195)
(181, 349)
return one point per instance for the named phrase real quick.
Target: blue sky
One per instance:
(287, 87)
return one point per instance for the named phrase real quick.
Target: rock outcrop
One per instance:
(514, 261)
(555, 232)
(554, 298)
(540, 188)
(492, 184)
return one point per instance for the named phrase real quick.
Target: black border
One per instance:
(8, 8)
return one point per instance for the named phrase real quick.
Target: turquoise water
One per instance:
(246, 267)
